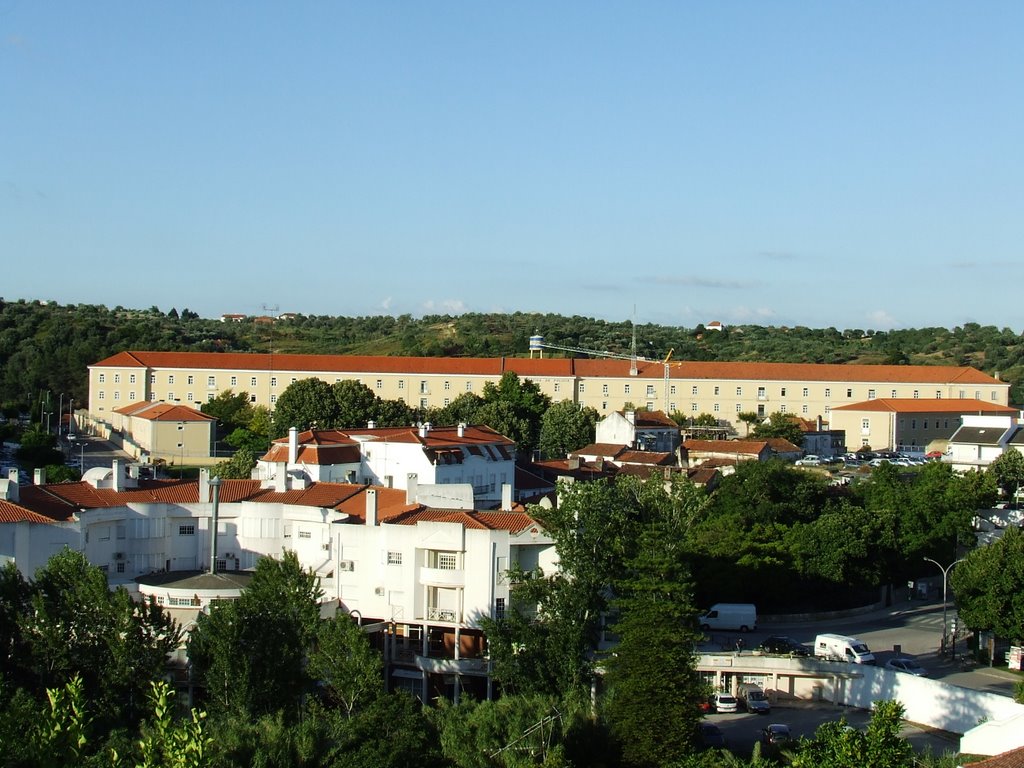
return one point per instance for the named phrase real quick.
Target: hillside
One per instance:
(46, 346)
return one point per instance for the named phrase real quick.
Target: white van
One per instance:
(741, 616)
(843, 648)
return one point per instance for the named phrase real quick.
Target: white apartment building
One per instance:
(450, 459)
(422, 577)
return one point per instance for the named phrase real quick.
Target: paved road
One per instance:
(93, 451)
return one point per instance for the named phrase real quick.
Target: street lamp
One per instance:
(81, 458)
(945, 578)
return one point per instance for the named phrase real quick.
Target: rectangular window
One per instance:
(117, 395)
(650, 390)
(693, 390)
(447, 561)
(423, 388)
(672, 408)
(447, 402)
(447, 385)
(394, 558)
(803, 409)
(782, 392)
(650, 405)
(305, 534)
(849, 392)
(189, 397)
(782, 408)
(234, 381)
(716, 408)
(693, 407)
(806, 392)
(131, 379)
(273, 399)
(120, 567)
(191, 380)
(131, 395)
(871, 394)
(252, 381)
(152, 378)
(913, 423)
(423, 402)
(252, 398)
(865, 424)
(604, 405)
(761, 393)
(103, 378)
(828, 392)
(938, 394)
(211, 381)
(499, 608)
(170, 378)
(170, 396)
(273, 381)
(625, 389)
(101, 394)
(916, 394)
(892, 393)
(186, 530)
(716, 390)
(380, 383)
(294, 379)
(739, 407)
(583, 388)
(739, 391)
(557, 386)
(117, 378)
(604, 389)
(401, 383)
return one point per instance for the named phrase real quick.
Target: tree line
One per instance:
(46, 347)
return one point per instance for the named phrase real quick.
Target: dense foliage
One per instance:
(46, 347)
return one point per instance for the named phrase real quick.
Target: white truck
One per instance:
(843, 648)
(741, 616)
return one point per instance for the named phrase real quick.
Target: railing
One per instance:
(442, 614)
(443, 577)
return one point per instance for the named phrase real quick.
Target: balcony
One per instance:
(449, 615)
(442, 577)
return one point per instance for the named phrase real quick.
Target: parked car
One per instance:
(904, 664)
(776, 734)
(710, 736)
(725, 702)
(754, 699)
(781, 644)
(809, 460)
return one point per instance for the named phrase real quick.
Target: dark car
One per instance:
(780, 644)
(776, 734)
(710, 736)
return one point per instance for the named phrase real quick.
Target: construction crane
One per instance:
(538, 344)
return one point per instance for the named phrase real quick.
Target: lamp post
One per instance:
(945, 579)
(81, 458)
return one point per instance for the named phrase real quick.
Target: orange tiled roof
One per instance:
(514, 522)
(913, 405)
(781, 445)
(551, 367)
(657, 458)
(610, 450)
(652, 420)
(15, 513)
(726, 446)
(163, 412)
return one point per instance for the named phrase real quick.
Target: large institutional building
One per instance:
(723, 389)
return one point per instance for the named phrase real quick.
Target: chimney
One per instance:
(462, 429)
(293, 445)
(631, 417)
(9, 488)
(389, 481)
(506, 496)
(280, 477)
(39, 476)
(411, 488)
(371, 424)
(423, 430)
(371, 506)
(117, 475)
(820, 423)
(204, 485)
(573, 463)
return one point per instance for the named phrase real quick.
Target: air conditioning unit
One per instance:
(346, 565)
(326, 546)
(379, 591)
(119, 555)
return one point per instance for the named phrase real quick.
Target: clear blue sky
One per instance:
(856, 164)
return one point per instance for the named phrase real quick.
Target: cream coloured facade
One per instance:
(691, 388)
(914, 426)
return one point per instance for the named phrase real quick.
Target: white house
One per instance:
(474, 456)
(981, 439)
(419, 578)
(642, 430)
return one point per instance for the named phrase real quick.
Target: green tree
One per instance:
(750, 418)
(514, 407)
(38, 449)
(275, 620)
(356, 405)
(565, 427)
(238, 467)
(780, 425)
(836, 745)
(462, 410)
(989, 586)
(349, 670)
(393, 413)
(654, 686)
(303, 404)
(1008, 471)
(76, 625)
(231, 411)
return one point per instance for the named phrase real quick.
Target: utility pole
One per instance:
(945, 580)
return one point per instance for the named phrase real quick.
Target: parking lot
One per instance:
(742, 730)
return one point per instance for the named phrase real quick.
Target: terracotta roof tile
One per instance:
(514, 522)
(920, 405)
(15, 513)
(657, 458)
(726, 446)
(550, 367)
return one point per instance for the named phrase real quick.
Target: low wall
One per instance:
(926, 702)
